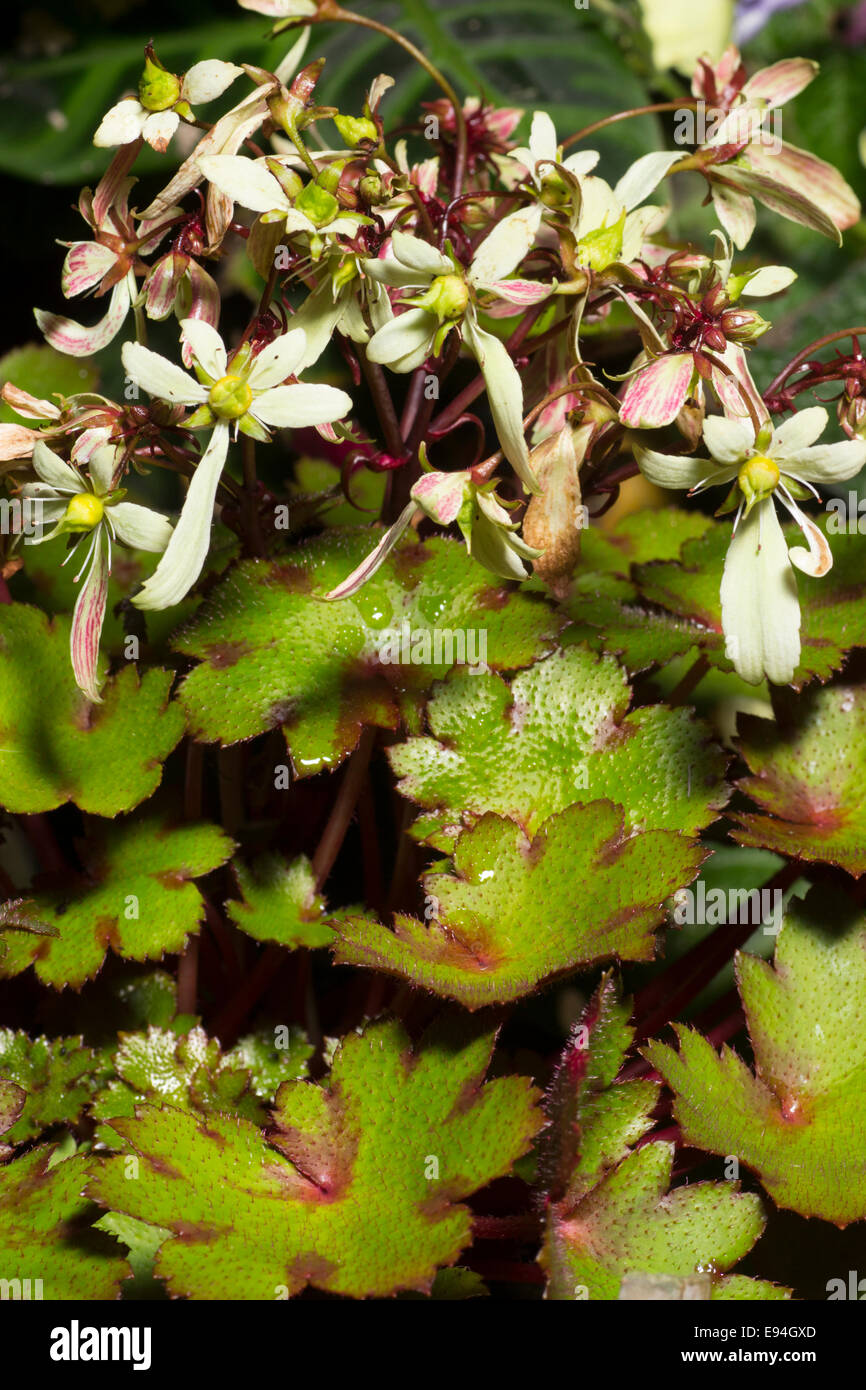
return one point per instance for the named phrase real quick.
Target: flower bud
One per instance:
(158, 89)
(371, 190)
(354, 130)
(441, 495)
(743, 325)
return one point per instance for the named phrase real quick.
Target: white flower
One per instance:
(270, 185)
(406, 340)
(760, 608)
(92, 506)
(162, 100)
(244, 394)
(607, 223)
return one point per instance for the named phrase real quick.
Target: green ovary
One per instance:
(230, 397)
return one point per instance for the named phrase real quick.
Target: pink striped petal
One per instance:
(110, 188)
(163, 284)
(74, 338)
(775, 85)
(86, 264)
(521, 292)
(657, 393)
(88, 618)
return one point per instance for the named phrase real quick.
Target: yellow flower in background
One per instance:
(679, 37)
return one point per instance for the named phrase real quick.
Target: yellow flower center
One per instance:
(230, 397)
(84, 511)
(758, 477)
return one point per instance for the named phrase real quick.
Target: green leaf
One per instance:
(275, 654)
(593, 1122)
(798, 1122)
(55, 746)
(40, 1208)
(192, 1073)
(58, 1075)
(833, 614)
(280, 903)
(135, 895)
(515, 913)
(609, 1211)
(807, 779)
(12, 1102)
(632, 1223)
(359, 1191)
(559, 736)
(141, 1241)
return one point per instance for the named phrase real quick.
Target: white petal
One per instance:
(317, 318)
(502, 251)
(245, 181)
(542, 138)
(818, 559)
(182, 562)
(760, 608)
(677, 471)
(207, 346)
(101, 468)
(161, 378)
(159, 128)
(371, 562)
(403, 342)
(799, 432)
(827, 463)
(301, 405)
(581, 163)
(420, 255)
(729, 440)
(505, 397)
(140, 527)
(55, 471)
(638, 182)
(279, 359)
(209, 79)
(770, 279)
(121, 125)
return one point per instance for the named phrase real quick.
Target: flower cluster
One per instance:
(486, 261)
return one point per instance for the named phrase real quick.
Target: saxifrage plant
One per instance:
(378, 680)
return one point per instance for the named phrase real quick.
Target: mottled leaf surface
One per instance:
(274, 653)
(106, 758)
(359, 1190)
(516, 913)
(798, 1119)
(807, 779)
(559, 735)
(135, 897)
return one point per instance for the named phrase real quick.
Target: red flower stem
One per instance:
(341, 16)
(470, 393)
(522, 1226)
(692, 678)
(663, 998)
(808, 352)
(680, 104)
(344, 808)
